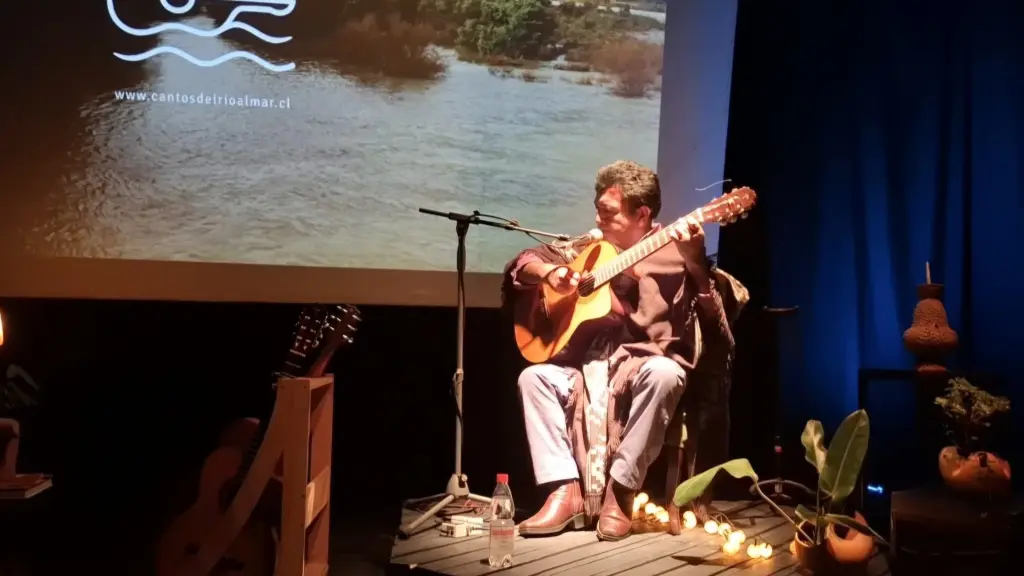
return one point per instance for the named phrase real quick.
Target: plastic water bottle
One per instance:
(502, 525)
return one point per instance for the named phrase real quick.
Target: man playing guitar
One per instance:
(597, 412)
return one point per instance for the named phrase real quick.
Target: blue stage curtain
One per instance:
(881, 135)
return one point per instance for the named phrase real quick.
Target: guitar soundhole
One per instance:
(586, 286)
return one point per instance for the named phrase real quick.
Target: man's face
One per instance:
(618, 225)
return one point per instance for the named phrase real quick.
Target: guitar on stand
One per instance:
(549, 323)
(319, 333)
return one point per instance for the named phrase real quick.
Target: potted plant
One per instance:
(827, 541)
(963, 466)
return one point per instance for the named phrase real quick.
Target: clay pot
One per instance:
(979, 473)
(844, 551)
(848, 546)
(929, 338)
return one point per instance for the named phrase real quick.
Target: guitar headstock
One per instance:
(319, 331)
(729, 207)
(341, 324)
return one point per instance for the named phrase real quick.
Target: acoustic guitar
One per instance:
(319, 333)
(544, 326)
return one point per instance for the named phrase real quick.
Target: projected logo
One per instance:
(277, 8)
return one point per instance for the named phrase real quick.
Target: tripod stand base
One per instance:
(458, 487)
(773, 490)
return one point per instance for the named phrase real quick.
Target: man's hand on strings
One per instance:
(689, 236)
(562, 279)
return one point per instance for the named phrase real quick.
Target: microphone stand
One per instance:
(777, 483)
(458, 484)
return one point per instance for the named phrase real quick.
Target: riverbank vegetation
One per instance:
(400, 38)
(584, 36)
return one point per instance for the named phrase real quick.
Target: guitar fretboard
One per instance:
(622, 262)
(642, 249)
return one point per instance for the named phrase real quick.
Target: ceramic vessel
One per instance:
(844, 551)
(929, 338)
(978, 473)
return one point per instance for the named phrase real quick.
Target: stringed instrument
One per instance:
(319, 333)
(544, 326)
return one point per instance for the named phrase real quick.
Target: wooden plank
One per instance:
(566, 556)
(473, 560)
(792, 570)
(574, 553)
(626, 556)
(25, 486)
(425, 538)
(454, 547)
(705, 559)
(877, 566)
(423, 543)
(779, 539)
(666, 546)
(628, 559)
(550, 546)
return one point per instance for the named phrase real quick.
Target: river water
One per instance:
(335, 179)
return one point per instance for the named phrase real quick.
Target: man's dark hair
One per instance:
(638, 184)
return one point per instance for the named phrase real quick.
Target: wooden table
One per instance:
(937, 531)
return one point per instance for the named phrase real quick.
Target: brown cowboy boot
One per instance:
(614, 524)
(564, 507)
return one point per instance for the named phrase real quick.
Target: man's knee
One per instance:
(531, 379)
(664, 375)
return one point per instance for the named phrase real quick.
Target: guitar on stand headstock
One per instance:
(319, 333)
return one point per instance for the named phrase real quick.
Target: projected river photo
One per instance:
(304, 134)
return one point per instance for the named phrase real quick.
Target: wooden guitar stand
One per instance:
(14, 486)
(298, 444)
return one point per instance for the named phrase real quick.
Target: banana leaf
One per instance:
(845, 457)
(692, 489)
(813, 439)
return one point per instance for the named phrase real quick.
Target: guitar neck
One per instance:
(642, 249)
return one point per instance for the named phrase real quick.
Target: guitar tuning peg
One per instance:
(732, 220)
(744, 215)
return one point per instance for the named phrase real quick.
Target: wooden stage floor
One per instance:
(692, 553)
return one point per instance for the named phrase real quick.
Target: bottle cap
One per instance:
(502, 478)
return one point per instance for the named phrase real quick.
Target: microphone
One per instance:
(594, 235)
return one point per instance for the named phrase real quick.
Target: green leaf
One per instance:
(692, 489)
(806, 514)
(845, 457)
(853, 524)
(813, 439)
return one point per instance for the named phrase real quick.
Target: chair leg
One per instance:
(674, 476)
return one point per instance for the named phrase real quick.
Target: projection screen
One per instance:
(279, 150)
